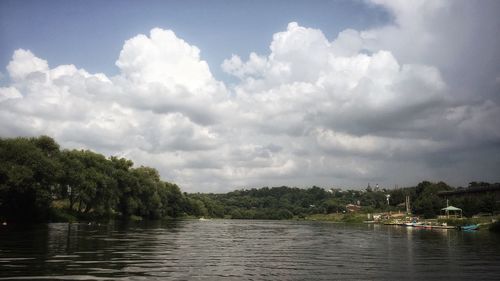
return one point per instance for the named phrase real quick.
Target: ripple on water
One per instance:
(246, 250)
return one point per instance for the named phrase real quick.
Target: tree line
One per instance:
(291, 202)
(39, 181)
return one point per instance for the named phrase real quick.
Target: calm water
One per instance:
(245, 250)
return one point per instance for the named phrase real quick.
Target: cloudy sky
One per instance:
(219, 95)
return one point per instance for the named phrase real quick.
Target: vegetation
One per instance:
(41, 182)
(347, 217)
(319, 204)
(495, 227)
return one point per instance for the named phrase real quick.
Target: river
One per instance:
(245, 250)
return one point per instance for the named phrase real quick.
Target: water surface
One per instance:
(245, 250)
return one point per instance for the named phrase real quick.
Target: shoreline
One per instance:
(348, 218)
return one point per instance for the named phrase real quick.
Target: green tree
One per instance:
(427, 201)
(28, 176)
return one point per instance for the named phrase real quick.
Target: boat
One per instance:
(469, 227)
(444, 227)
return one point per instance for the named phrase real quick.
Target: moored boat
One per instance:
(470, 227)
(444, 226)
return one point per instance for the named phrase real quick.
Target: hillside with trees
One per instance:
(286, 202)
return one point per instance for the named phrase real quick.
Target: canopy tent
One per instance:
(453, 211)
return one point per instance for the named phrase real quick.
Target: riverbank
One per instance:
(491, 223)
(338, 217)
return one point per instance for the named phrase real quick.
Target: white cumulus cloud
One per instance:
(361, 107)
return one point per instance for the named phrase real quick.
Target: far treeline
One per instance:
(286, 203)
(41, 182)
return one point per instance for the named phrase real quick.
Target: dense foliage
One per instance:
(35, 175)
(285, 202)
(40, 182)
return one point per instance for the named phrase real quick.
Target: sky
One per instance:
(223, 95)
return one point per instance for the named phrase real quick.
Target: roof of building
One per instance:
(451, 208)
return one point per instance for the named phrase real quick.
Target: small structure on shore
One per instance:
(452, 211)
(353, 208)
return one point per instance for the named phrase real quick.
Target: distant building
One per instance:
(353, 208)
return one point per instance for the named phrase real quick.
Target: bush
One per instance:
(284, 214)
(60, 215)
(352, 218)
(495, 227)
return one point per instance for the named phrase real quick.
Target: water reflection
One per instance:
(244, 250)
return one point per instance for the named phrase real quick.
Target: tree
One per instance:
(28, 176)
(72, 176)
(34, 172)
(127, 186)
(427, 201)
(334, 205)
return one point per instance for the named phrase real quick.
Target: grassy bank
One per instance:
(347, 218)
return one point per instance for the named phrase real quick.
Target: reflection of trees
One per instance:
(25, 247)
(103, 250)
